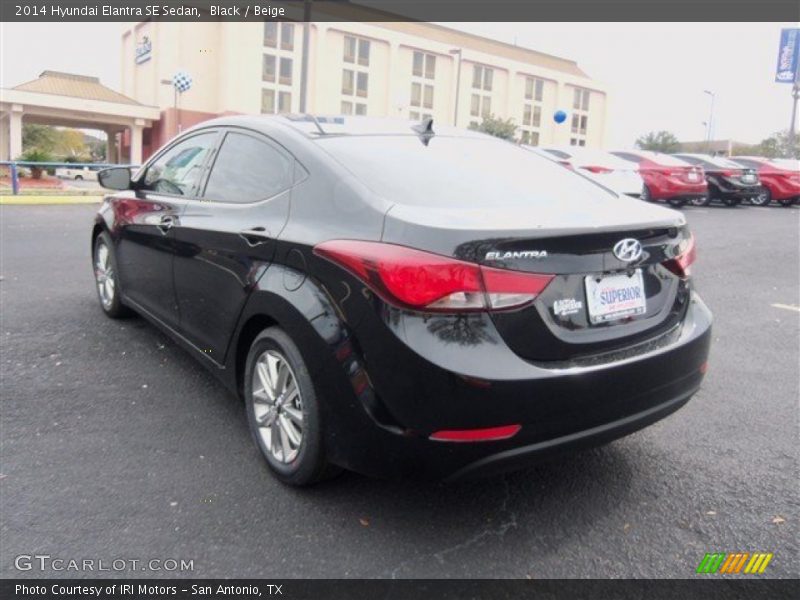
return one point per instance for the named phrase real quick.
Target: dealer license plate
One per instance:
(615, 296)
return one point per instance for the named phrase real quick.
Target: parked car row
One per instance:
(685, 178)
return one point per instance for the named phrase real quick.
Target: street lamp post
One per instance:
(304, 61)
(458, 84)
(709, 131)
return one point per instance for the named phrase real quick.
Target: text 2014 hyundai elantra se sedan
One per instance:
(402, 299)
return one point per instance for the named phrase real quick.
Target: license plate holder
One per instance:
(614, 297)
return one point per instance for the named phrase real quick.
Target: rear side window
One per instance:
(248, 169)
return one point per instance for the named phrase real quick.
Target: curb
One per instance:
(42, 200)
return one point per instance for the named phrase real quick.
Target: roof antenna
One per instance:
(316, 122)
(425, 130)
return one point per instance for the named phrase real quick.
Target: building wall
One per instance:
(226, 62)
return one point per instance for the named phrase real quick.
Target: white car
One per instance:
(603, 167)
(77, 173)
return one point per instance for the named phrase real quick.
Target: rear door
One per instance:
(147, 220)
(227, 236)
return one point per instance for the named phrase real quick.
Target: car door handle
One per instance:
(167, 222)
(255, 236)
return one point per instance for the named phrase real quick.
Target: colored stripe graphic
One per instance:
(722, 562)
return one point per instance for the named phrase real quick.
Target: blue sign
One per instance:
(788, 56)
(144, 50)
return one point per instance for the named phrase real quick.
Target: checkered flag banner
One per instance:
(182, 81)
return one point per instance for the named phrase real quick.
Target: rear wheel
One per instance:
(763, 198)
(283, 411)
(106, 277)
(700, 201)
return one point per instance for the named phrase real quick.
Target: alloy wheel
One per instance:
(104, 274)
(277, 406)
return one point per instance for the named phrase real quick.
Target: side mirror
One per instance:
(115, 178)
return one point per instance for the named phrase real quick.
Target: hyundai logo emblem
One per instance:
(628, 250)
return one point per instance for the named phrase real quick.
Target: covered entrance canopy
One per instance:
(77, 101)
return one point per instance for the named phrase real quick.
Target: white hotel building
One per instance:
(402, 69)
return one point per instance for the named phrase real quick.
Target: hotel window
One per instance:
(348, 79)
(347, 108)
(362, 84)
(284, 102)
(482, 78)
(285, 77)
(356, 50)
(580, 99)
(361, 109)
(268, 69)
(268, 102)
(424, 65)
(577, 142)
(534, 89)
(271, 34)
(287, 36)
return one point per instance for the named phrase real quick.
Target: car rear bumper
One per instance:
(559, 407)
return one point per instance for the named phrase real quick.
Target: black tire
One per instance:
(700, 201)
(646, 196)
(676, 202)
(731, 202)
(763, 198)
(787, 202)
(113, 307)
(309, 465)
(78, 177)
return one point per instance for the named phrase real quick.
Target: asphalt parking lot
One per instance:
(114, 443)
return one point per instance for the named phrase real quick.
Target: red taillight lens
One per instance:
(598, 170)
(681, 264)
(476, 435)
(423, 281)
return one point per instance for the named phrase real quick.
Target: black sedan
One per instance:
(728, 182)
(401, 299)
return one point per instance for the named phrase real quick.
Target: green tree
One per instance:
(502, 128)
(41, 137)
(658, 141)
(777, 146)
(35, 155)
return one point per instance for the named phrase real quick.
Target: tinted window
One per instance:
(248, 169)
(628, 156)
(457, 171)
(748, 163)
(178, 170)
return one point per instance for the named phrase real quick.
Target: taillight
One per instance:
(681, 264)
(420, 280)
(598, 170)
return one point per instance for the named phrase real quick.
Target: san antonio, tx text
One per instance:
(150, 590)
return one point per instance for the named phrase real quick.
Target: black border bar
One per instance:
(404, 10)
(704, 587)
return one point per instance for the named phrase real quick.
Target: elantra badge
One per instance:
(628, 250)
(521, 254)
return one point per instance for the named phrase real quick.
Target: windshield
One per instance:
(456, 171)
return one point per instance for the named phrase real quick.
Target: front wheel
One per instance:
(283, 410)
(646, 196)
(106, 276)
(676, 202)
(763, 198)
(700, 201)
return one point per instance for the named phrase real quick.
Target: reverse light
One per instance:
(681, 264)
(420, 280)
(598, 170)
(490, 434)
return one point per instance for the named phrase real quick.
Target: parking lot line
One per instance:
(786, 307)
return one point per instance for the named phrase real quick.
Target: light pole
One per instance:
(709, 131)
(458, 84)
(304, 61)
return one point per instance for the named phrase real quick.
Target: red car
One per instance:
(666, 178)
(780, 179)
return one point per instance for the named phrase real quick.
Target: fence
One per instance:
(14, 165)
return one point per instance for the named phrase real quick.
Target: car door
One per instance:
(226, 240)
(146, 220)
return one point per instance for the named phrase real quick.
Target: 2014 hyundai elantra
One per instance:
(404, 299)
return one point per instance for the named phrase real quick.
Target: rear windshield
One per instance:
(664, 159)
(456, 171)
